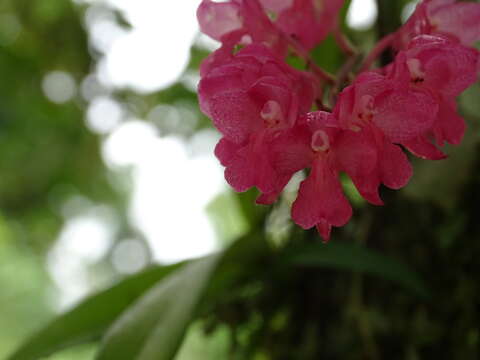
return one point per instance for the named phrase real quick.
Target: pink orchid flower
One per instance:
(442, 17)
(366, 108)
(261, 105)
(320, 201)
(252, 99)
(307, 21)
(444, 68)
(239, 22)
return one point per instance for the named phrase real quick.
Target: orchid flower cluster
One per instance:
(274, 120)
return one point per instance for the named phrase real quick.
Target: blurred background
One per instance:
(106, 163)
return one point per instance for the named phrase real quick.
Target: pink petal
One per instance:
(235, 115)
(324, 229)
(309, 21)
(416, 24)
(459, 19)
(344, 107)
(447, 66)
(404, 114)
(356, 152)
(251, 166)
(212, 84)
(368, 187)
(225, 151)
(358, 155)
(395, 168)
(371, 83)
(290, 152)
(267, 199)
(223, 54)
(320, 199)
(260, 28)
(421, 147)
(218, 19)
(449, 126)
(271, 197)
(269, 88)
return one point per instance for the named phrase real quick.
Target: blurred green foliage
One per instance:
(47, 154)
(276, 292)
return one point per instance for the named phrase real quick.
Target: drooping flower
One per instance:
(272, 23)
(219, 19)
(252, 99)
(321, 202)
(382, 113)
(307, 21)
(240, 22)
(401, 112)
(444, 68)
(320, 143)
(442, 17)
(378, 161)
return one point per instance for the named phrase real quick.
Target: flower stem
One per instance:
(383, 44)
(323, 75)
(342, 77)
(344, 42)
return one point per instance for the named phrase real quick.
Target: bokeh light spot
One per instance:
(129, 256)
(362, 14)
(59, 86)
(103, 115)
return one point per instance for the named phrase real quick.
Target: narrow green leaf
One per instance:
(358, 258)
(88, 321)
(153, 328)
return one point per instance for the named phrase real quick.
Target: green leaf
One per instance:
(88, 321)
(361, 259)
(153, 328)
(92, 318)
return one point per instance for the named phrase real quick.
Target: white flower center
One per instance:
(415, 68)
(272, 113)
(320, 141)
